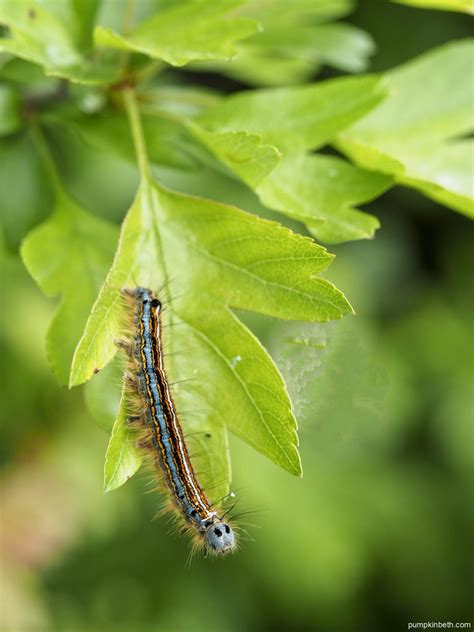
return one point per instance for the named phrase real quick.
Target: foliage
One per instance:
(294, 42)
(76, 75)
(465, 6)
(420, 134)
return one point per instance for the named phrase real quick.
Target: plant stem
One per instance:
(149, 188)
(46, 156)
(133, 114)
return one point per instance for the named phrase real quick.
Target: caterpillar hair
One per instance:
(160, 436)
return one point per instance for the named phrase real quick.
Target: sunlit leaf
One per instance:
(288, 52)
(190, 30)
(242, 152)
(465, 6)
(216, 257)
(282, 11)
(417, 133)
(103, 394)
(296, 118)
(321, 191)
(295, 41)
(122, 459)
(56, 36)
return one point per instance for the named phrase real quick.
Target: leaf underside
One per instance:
(216, 257)
(420, 133)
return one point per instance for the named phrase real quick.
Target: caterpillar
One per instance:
(160, 434)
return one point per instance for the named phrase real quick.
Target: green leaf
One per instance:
(284, 12)
(17, 70)
(318, 190)
(103, 393)
(56, 36)
(122, 459)
(10, 110)
(285, 54)
(321, 191)
(190, 30)
(416, 133)
(444, 175)
(296, 118)
(465, 6)
(243, 153)
(69, 255)
(343, 46)
(294, 42)
(216, 257)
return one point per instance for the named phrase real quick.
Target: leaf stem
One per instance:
(46, 156)
(147, 182)
(133, 114)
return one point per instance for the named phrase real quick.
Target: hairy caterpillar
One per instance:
(159, 429)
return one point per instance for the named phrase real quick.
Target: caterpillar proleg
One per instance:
(159, 428)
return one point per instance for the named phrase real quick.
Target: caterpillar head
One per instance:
(220, 538)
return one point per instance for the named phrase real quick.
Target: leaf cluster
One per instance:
(108, 79)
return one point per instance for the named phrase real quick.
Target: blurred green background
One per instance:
(377, 533)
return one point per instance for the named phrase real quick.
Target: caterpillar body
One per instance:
(159, 429)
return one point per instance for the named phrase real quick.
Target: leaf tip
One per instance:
(293, 464)
(298, 471)
(76, 378)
